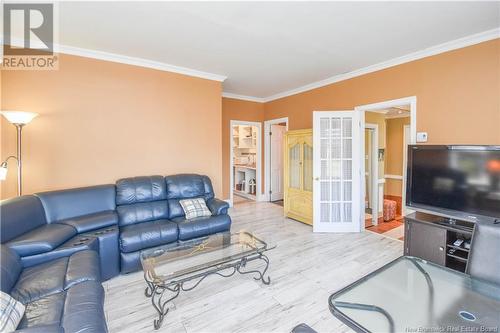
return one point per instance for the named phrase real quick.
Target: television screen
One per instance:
(456, 178)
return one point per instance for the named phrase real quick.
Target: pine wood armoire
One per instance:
(298, 179)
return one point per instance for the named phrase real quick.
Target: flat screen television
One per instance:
(459, 182)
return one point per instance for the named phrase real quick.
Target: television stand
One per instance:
(441, 240)
(450, 221)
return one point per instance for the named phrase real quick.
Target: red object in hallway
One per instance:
(389, 210)
(494, 166)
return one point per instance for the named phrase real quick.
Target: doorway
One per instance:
(245, 164)
(371, 174)
(384, 191)
(275, 130)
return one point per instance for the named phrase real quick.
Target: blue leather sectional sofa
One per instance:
(57, 247)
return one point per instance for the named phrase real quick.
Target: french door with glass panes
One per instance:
(336, 164)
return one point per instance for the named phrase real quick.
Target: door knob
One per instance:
(316, 178)
(441, 248)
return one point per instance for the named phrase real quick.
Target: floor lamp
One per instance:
(18, 119)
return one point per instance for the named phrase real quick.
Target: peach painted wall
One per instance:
(100, 121)
(394, 154)
(458, 95)
(378, 119)
(235, 109)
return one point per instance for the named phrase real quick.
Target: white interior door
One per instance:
(337, 177)
(278, 132)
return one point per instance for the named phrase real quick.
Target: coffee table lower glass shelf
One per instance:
(173, 268)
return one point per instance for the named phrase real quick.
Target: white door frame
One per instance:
(412, 101)
(374, 179)
(405, 160)
(258, 194)
(267, 154)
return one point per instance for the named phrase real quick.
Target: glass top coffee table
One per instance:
(173, 268)
(413, 295)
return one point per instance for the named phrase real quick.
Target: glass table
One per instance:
(413, 295)
(177, 267)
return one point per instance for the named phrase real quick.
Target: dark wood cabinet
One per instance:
(425, 241)
(432, 238)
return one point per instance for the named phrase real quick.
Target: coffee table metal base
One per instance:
(157, 291)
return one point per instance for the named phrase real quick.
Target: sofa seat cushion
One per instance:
(39, 281)
(78, 309)
(147, 234)
(44, 311)
(92, 221)
(56, 276)
(42, 239)
(202, 226)
(83, 308)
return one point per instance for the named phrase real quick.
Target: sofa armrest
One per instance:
(93, 221)
(217, 206)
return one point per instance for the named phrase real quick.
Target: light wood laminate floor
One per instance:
(305, 269)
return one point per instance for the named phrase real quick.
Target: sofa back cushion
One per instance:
(10, 268)
(141, 199)
(20, 215)
(75, 202)
(185, 186)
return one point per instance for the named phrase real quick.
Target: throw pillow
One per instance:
(11, 313)
(194, 208)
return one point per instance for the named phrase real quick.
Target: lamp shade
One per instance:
(19, 117)
(3, 171)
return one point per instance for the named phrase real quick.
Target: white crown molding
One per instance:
(134, 61)
(139, 62)
(243, 97)
(437, 49)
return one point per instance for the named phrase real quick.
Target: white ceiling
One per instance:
(266, 48)
(395, 112)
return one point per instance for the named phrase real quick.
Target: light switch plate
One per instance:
(421, 136)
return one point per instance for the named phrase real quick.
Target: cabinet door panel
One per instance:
(294, 166)
(307, 165)
(298, 175)
(427, 242)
